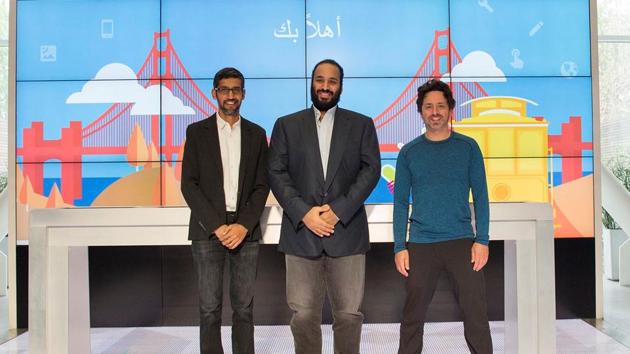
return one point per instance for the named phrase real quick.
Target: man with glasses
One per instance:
(225, 185)
(439, 169)
(323, 164)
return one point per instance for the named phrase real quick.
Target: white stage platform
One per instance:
(572, 336)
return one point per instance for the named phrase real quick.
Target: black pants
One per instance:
(426, 262)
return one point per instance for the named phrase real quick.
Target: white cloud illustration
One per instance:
(117, 82)
(113, 83)
(477, 66)
(149, 103)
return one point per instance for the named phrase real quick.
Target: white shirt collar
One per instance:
(329, 113)
(222, 124)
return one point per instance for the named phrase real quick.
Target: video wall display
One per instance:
(106, 89)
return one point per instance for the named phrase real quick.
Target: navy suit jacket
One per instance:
(297, 181)
(202, 179)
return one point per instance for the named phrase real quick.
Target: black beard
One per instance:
(324, 106)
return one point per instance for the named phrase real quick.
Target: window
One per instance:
(614, 82)
(4, 89)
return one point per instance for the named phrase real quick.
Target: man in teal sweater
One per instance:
(439, 169)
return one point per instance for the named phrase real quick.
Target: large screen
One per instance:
(105, 89)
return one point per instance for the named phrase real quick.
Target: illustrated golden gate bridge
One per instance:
(109, 133)
(400, 122)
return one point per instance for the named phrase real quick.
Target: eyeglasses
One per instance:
(226, 90)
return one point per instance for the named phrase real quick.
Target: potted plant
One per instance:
(612, 235)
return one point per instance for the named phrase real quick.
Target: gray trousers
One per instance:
(308, 281)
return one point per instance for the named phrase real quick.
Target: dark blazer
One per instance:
(202, 179)
(297, 181)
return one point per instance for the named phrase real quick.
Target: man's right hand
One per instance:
(315, 223)
(402, 262)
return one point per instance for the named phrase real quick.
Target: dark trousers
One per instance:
(426, 262)
(209, 257)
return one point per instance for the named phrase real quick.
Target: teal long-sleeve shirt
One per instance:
(439, 176)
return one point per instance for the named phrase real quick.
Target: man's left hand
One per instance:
(235, 235)
(329, 215)
(479, 256)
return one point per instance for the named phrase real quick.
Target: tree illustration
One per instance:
(137, 149)
(153, 157)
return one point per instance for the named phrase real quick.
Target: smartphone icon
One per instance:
(107, 28)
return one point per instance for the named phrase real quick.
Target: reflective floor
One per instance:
(573, 336)
(616, 322)
(611, 335)
(6, 333)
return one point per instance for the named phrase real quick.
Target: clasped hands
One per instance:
(321, 220)
(231, 235)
